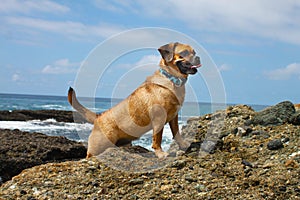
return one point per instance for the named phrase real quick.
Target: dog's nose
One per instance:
(197, 60)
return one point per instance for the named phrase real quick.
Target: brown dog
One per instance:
(152, 105)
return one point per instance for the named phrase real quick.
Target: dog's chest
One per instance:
(178, 92)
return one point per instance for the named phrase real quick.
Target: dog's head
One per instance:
(181, 57)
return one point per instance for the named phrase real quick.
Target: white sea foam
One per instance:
(52, 107)
(146, 140)
(73, 131)
(45, 125)
(77, 131)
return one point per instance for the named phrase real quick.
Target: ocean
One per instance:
(81, 131)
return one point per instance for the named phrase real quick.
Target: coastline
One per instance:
(26, 115)
(21, 150)
(235, 153)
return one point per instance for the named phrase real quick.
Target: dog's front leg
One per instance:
(158, 117)
(156, 144)
(183, 145)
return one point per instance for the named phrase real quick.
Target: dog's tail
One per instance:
(86, 113)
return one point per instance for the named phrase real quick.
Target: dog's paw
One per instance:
(161, 154)
(184, 145)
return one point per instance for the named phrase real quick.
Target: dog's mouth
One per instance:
(196, 66)
(187, 67)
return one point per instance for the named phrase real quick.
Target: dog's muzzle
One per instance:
(195, 62)
(189, 65)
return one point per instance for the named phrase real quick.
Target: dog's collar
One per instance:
(176, 80)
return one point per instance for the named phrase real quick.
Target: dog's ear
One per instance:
(167, 51)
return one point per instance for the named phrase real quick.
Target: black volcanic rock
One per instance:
(20, 150)
(274, 115)
(295, 119)
(244, 162)
(26, 115)
(275, 144)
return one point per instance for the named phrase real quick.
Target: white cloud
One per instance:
(285, 73)
(266, 19)
(224, 67)
(62, 66)
(115, 5)
(16, 77)
(21, 6)
(70, 29)
(23, 19)
(148, 59)
(146, 63)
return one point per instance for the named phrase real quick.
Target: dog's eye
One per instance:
(184, 53)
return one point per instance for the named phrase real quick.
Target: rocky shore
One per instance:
(235, 153)
(25, 115)
(20, 150)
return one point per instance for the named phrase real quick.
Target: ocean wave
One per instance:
(73, 131)
(79, 131)
(52, 107)
(146, 139)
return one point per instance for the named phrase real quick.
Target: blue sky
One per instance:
(254, 44)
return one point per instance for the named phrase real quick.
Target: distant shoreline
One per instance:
(26, 115)
(116, 100)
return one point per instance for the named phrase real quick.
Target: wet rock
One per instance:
(295, 119)
(190, 178)
(274, 115)
(285, 140)
(200, 188)
(131, 159)
(136, 149)
(26, 115)
(20, 150)
(242, 131)
(275, 144)
(273, 175)
(242, 111)
(210, 146)
(194, 147)
(178, 164)
(246, 163)
(136, 181)
(258, 132)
